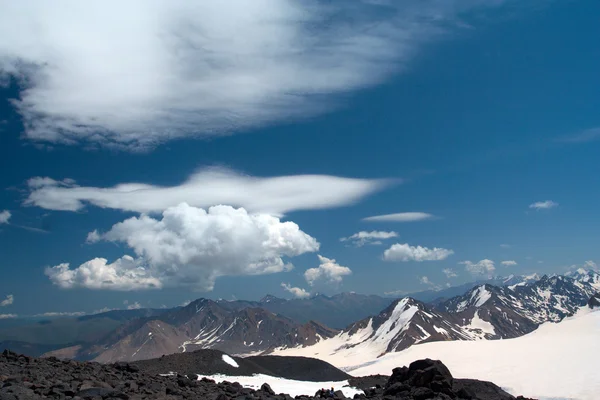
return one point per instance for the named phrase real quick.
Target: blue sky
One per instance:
(469, 112)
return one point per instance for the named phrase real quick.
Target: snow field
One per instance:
(281, 385)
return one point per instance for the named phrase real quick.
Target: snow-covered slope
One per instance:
(405, 323)
(555, 361)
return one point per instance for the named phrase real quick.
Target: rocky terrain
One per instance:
(23, 377)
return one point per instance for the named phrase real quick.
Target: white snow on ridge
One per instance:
(281, 385)
(480, 296)
(554, 361)
(365, 343)
(230, 361)
(484, 326)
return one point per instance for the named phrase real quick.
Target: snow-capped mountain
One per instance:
(590, 276)
(484, 312)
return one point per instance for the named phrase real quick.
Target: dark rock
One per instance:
(594, 301)
(480, 390)
(267, 389)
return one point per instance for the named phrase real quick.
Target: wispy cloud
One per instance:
(208, 187)
(4, 217)
(295, 291)
(328, 271)
(543, 205)
(400, 217)
(425, 281)
(8, 316)
(449, 272)
(505, 246)
(588, 135)
(509, 263)
(483, 267)
(374, 237)
(163, 70)
(53, 314)
(405, 252)
(10, 299)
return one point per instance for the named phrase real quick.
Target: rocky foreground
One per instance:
(23, 377)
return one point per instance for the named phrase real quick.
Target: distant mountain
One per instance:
(337, 311)
(439, 296)
(203, 324)
(484, 312)
(69, 330)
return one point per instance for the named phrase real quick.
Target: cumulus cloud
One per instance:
(8, 301)
(543, 205)
(449, 272)
(400, 217)
(162, 70)
(406, 252)
(509, 263)
(4, 217)
(328, 271)
(482, 267)
(7, 316)
(295, 291)
(374, 237)
(190, 247)
(209, 187)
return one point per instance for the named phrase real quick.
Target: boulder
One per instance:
(267, 389)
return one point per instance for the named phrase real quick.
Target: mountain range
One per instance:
(374, 325)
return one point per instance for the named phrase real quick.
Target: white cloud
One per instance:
(4, 217)
(140, 73)
(406, 252)
(588, 135)
(425, 281)
(8, 301)
(543, 205)
(374, 237)
(7, 316)
(185, 303)
(295, 291)
(93, 237)
(209, 187)
(449, 272)
(396, 293)
(190, 247)
(590, 265)
(509, 263)
(482, 267)
(134, 306)
(328, 271)
(53, 314)
(400, 217)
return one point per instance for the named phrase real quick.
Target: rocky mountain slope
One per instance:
(30, 378)
(203, 324)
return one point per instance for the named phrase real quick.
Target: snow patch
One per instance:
(230, 361)
(281, 385)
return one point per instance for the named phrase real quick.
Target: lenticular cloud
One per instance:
(189, 247)
(138, 73)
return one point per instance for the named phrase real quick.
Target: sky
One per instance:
(157, 152)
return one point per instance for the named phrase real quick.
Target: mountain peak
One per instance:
(271, 299)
